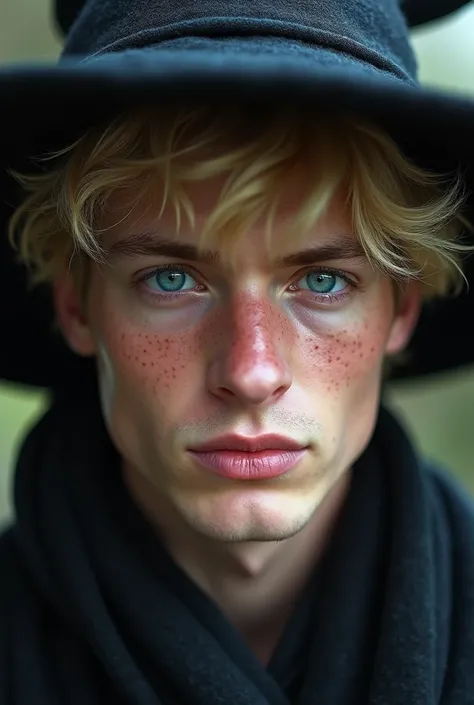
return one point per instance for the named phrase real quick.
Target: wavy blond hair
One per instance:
(407, 219)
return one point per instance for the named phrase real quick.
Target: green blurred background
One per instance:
(438, 412)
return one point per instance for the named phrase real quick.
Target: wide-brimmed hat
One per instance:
(349, 55)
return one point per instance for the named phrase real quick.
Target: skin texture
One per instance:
(246, 350)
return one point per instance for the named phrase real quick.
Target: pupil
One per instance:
(322, 282)
(170, 281)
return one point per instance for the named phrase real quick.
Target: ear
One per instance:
(407, 312)
(71, 315)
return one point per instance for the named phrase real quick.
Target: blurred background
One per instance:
(439, 412)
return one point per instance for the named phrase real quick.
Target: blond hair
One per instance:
(407, 219)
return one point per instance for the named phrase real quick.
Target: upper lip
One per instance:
(251, 445)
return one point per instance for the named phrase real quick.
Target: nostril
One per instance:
(226, 393)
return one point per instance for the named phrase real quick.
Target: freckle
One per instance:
(316, 347)
(372, 349)
(361, 355)
(346, 364)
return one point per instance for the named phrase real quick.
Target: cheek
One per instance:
(166, 360)
(145, 355)
(136, 360)
(154, 357)
(349, 357)
(149, 360)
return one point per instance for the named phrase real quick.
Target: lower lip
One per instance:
(241, 465)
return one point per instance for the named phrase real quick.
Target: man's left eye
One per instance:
(323, 282)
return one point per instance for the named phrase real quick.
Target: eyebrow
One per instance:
(341, 247)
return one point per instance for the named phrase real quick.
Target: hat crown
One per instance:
(374, 31)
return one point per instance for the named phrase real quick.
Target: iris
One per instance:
(170, 280)
(321, 282)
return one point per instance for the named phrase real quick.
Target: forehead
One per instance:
(139, 209)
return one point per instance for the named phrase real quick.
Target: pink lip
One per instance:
(244, 465)
(270, 441)
(258, 458)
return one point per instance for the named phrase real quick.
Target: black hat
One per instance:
(354, 55)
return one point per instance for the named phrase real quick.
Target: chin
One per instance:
(249, 519)
(248, 533)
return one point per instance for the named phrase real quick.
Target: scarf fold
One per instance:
(94, 610)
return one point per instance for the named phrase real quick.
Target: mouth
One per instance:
(258, 458)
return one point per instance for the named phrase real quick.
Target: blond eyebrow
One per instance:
(342, 247)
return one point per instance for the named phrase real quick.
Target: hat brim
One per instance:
(46, 106)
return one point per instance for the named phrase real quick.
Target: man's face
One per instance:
(195, 351)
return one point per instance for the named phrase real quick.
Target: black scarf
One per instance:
(93, 609)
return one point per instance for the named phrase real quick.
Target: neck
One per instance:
(255, 584)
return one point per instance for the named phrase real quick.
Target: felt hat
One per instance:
(353, 55)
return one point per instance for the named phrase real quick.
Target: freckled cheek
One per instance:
(347, 358)
(156, 352)
(148, 361)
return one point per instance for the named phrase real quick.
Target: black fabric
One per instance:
(93, 609)
(417, 12)
(372, 31)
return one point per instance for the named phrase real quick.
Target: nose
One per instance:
(250, 367)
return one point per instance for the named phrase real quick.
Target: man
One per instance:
(224, 512)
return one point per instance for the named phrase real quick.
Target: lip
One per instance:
(258, 458)
(253, 444)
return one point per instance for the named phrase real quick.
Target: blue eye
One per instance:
(322, 282)
(170, 280)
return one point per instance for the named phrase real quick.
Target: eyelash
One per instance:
(171, 296)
